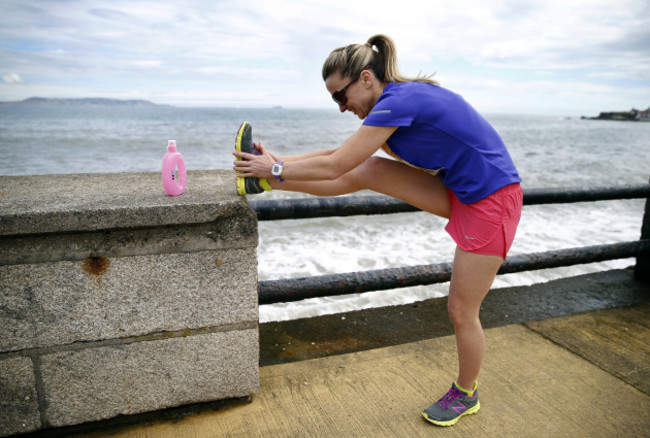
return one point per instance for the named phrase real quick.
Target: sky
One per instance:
(565, 57)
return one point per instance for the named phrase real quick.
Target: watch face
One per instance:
(276, 169)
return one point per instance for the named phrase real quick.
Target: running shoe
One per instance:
(244, 143)
(252, 186)
(244, 140)
(455, 404)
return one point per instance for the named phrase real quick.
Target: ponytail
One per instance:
(379, 54)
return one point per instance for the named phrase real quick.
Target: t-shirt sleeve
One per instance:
(390, 110)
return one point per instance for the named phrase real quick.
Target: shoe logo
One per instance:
(459, 408)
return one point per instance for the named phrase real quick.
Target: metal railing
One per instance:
(294, 289)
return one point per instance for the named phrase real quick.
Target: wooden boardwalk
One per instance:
(584, 375)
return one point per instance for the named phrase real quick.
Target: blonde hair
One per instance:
(379, 54)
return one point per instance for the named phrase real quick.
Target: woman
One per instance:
(449, 162)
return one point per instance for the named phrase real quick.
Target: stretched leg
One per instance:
(381, 175)
(471, 280)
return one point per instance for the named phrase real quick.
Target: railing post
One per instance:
(642, 268)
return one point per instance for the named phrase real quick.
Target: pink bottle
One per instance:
(174, 176)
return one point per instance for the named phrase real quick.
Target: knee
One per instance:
(365, 173)
(374, 165)
(360, 175)
(459, 314)
(455, 312)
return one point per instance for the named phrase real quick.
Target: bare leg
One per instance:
(471, 280)
(385, 176)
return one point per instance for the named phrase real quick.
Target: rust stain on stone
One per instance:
(96, 266)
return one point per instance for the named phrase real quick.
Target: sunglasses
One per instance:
(339, 96)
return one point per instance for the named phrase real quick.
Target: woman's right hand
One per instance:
(251, 165)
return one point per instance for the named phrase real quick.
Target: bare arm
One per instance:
(289, 158)
(319, 166)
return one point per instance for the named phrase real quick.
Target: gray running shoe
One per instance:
(244, 140)
(448, 410)
(244, 143)
(252, 186)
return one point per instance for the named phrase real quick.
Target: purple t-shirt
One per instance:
(438, 130)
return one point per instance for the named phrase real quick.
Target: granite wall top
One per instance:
(90, 202)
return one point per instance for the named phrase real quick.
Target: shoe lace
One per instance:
(449, 398)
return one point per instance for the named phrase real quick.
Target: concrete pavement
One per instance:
(583, 375)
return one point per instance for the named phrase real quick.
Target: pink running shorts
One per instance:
(487, 226)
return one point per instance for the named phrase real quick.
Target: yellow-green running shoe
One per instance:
(244, 140)
(252, 186)
(244, 143)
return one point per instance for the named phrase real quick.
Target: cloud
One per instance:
(152, 63)
(203, 47)
(109, 14)
(12, 78)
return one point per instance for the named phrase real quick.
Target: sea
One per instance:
(549, 151)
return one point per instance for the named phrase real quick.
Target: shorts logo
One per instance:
(469, 237)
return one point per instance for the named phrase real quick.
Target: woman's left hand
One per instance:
(258, 166)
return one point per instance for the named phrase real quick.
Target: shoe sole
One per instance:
(241, 186)
(244, 138)
(453, 421)
(243, 135)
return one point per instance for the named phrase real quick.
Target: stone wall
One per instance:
(116, 299)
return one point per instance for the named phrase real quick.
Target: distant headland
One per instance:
(85, 101)
(633, 115)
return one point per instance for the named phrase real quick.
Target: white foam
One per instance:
(309, 247)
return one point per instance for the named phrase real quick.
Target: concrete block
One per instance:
(53, 304)
(19, 411)
(99, 383)
(116, 299)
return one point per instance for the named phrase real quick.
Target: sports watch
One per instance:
(277, 170)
